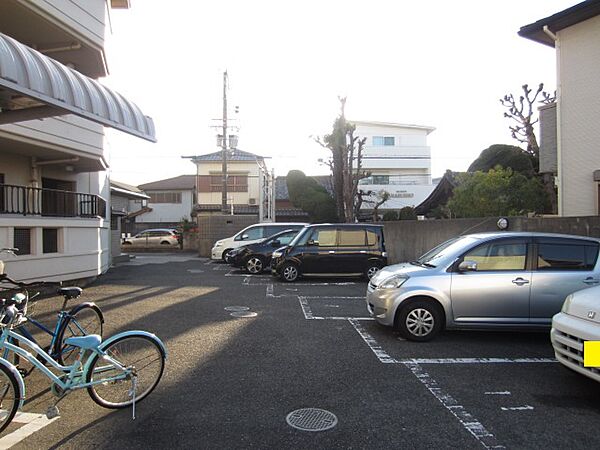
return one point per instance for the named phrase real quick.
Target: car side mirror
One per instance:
(312, 242)
(244, 237)
(467, 266)
(275, 243)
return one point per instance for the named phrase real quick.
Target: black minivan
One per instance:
(332, 249)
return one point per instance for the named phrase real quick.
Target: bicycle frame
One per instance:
(75, 372)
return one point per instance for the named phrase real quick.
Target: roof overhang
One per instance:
(34, 86)
(560, 21)
(130, 194)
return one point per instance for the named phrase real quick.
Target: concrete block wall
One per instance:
(215, 227)
(406, 240)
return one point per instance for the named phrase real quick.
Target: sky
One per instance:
(426, 62)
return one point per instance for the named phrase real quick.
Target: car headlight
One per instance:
(567, 304)
(393, 282)
(276, 254)
(218, 243)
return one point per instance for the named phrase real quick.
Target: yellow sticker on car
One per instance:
(591, 354)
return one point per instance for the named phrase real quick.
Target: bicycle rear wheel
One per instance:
(82, 322)
(9, 397)
(139, 352)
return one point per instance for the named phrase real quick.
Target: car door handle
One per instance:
(520, 281)
(590, 280)
(331, 252)
(363, 251)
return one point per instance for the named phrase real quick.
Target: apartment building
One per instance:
(54, 187)
(570, 132)
(399, 161)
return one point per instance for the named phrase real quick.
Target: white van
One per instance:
(250, 235)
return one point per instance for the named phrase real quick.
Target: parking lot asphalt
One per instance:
(231, 382)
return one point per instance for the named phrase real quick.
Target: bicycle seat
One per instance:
(70, 292)
(85, 342)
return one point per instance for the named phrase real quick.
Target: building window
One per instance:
(22, 241)
(235, 183)
(384, 141)
(165, 197)
(50, 240)
(381, 179)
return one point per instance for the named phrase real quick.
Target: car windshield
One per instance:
(450, 247)
(297, 238)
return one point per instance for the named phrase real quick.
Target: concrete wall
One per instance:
(215, 227)
(406, 240)
(578, 52)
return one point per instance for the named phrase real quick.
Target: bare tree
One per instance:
(522, 111)
(375, 199)
(345, 164)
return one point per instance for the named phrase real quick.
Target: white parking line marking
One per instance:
(332, 306)
(270, 290)
(479, 360)
(497, 393)
(372, 343)
(467, 420)
(33, 423)
(195, 271)
(472, 425)
(517, 408)
(310, 316)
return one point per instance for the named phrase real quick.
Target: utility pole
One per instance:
(224, 147)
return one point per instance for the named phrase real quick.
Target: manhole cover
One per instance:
(311, 419)
(243, 314)
(236, 308)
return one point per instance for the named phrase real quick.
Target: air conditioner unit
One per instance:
(252, 201)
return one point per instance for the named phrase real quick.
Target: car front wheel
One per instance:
(289, 272)
(419, 321)
(254, 265)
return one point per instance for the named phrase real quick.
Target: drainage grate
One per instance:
(311, 419)
(236, 308)
(243, 314)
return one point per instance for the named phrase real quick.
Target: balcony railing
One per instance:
(30, 201)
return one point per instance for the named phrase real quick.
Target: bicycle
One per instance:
(117, 372)
(85, 318)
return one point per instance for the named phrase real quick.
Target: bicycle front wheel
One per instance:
(9, 397)
(82, 322)
(139, 353)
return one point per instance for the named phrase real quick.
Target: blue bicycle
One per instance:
(83, 319)
(117, 372)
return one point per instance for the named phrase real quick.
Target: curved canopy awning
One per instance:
(34, 86)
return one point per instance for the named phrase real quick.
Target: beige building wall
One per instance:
(249, 168)
(578, 53)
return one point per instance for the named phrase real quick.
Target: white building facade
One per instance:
(575, 35)
(399, 162)
(54, 187)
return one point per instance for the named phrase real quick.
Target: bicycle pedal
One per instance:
(52, 412)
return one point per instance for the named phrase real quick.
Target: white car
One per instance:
(155, 237)
(250, 235)
(578, 322)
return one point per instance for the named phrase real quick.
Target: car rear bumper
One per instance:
(568, 335)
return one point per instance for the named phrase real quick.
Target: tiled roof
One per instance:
(232, 155)
(182, 182)
(237, 209)
(125, 186)
(281, 190)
